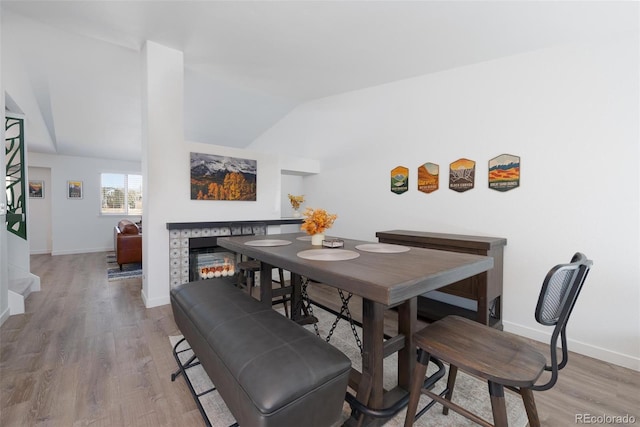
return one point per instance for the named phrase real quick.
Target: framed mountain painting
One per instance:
(216, 177)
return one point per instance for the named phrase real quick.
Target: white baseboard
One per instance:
(82, 251)
(40, 252)
(609, 356)
(4, 316)
(35, 284)
(155, 302)
(16, 303)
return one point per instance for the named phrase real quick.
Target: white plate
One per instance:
(268, 242)
(328, 254)
(383, 248)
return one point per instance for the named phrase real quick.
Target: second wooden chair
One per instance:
(501, 358)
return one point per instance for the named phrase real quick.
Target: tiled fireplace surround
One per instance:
(184, 236)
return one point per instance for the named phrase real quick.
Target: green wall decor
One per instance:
(399, 179)
(15, 182)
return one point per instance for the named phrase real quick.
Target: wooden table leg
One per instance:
(266, 284)
(296, 297)
(407, 325)
(370, 390)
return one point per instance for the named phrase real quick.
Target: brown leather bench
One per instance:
(270, 371)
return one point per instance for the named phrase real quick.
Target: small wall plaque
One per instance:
(462, 175)
(504, 172)
(428, 177)
(399, 179)
(36, 189)
(74, 189)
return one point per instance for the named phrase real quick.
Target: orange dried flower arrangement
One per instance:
(316, 221)
(296, 201)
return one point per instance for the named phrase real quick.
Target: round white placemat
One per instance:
(328, 254)
(268, 242)
(383, 248)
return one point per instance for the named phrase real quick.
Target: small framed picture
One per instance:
(36, 189)
(74, 189)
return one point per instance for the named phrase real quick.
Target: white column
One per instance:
(4, 276)
(162, 153)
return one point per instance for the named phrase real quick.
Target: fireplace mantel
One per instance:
(214, 224)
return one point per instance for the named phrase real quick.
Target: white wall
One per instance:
(166, 167)
(4, 268)
(291, 184)
(77, 225)
(570, 112)
(178, 207)
(39, 214)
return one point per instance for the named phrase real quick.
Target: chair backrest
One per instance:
(558, 296)
(560, 290)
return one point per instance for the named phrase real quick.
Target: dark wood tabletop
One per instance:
(387, 278)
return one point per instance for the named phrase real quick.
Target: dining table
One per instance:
(385, 276)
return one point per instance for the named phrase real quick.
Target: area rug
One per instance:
(470, 392)
(129, 271)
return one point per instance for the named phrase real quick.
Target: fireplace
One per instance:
(208, 263)
(194, 253)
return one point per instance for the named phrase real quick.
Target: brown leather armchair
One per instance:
(127, 241)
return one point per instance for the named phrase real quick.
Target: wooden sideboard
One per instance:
(485, 288)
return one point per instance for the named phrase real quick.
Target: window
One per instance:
(121, 194)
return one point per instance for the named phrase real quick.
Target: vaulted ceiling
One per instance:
(74, 67)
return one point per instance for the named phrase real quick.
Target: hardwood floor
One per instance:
(586, 386)
(87, 352)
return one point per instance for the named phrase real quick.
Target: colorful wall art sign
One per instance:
(399, 179)
(462, 175)
(504, 172)
(428, 177)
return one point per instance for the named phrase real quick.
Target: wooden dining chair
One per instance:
(501, 358)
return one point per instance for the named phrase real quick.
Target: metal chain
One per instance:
(345, 305)
(344, 309)
(306, 300)
(353, 326)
